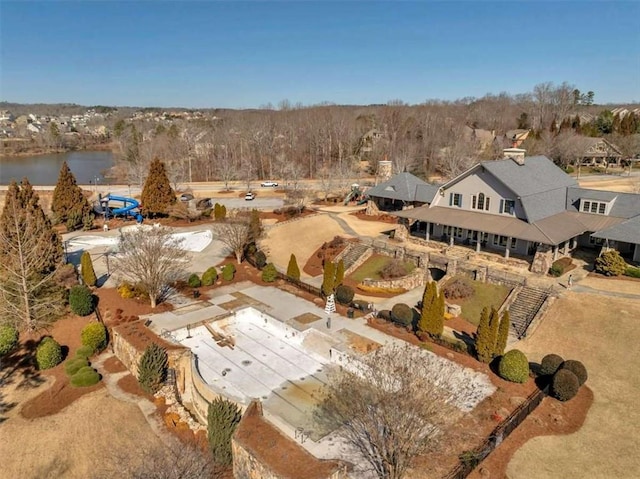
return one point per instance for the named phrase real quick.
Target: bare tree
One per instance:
(234, 233)
(389, 405)
(159, 461)
(152, 258)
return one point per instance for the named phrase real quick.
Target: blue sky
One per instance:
(247, 54)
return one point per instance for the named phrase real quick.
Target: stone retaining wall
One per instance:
(411, 281)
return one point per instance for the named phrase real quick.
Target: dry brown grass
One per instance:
(603, 333)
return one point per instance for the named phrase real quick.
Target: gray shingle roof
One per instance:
(405, 187)
(628, 231)
(538, 174)
(626, 205)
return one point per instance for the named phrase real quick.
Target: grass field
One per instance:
(485, 294)
(371, 268)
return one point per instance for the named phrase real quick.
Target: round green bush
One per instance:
(261, 259)
(402, 314)
(86, 376)
(8, 338)
(194, 281)
(550, 364)
(95, 336)
(344, 294)
(564, 385)
(72, 366)
(85, 352)
(269, 273)
(48, 353)
(228, 270)
(209, 276)
(514, 367)
(610, 263)
(81, 300)
(577, 368)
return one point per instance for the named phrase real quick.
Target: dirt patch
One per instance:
(359, 343)
(382, 218)
(307, 318)
(130, 384)
(327, 252)
(110, 302)
(113, 365)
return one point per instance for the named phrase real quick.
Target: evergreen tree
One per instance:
(429, 298)
(503, 334)
(340, 273)
(68, 199)
(494, 324)
(329, 278)
(255, 226)
(438, 317)
(223, 417)
(292, 269)
(30, 254)
(484, 348)
(157, 194)
(152, 368)
(88, 273)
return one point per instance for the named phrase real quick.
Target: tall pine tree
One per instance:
(503, 334)
(157, 194)
(339, 273)
(292, 269)
(494, 324)
(30, 254)
(429, 300)
(329, 278)
(68, 199)
(88, 273)
(484, 345)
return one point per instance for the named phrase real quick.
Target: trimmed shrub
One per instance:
(402, 314)
(632, 272)
(85, 377)
(514, 366)
(72, 366)
(94, 335)
(561, 266)
(610, 263)
(48, 353)
(261, 259)
(577, 368)
(194, 281)
(550, 364)
(126, 291)
(360, 304)
(556, 270)
(564, 385)
(152, 368)
(344, 294)
(269, 273)
(86, 268)
(209, 276)
(228, 271)
(8, 339)
(81, 300)
(384, 314)
(84, 352)
(458, 289)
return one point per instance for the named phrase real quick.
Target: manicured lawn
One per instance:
(371, 268)
(485, 294)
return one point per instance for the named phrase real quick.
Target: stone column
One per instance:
(565, 249)
(555, 252)
(506, 249)
(426, 236)
(478, 242)
(451, 240)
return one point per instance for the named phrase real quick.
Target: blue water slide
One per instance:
(129, 204)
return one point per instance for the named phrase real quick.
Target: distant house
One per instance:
(400, 192)
(598, 151)
(515, 138)
(368, 140)
(530, 207)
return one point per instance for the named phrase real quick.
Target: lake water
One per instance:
(43, 170)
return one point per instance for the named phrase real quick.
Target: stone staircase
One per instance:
(353, 256)
(524, 309)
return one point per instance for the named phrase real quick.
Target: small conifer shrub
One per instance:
(564, 385)
(514, 366)
(152, 368)
(269, 273)
(94, 335)
(86, 267)
(550, 364)
(8, 338)
(228, 271)
(577, 368)
(222, 419)
(48, 353)
(81, 300)
(194, 281)
(209, 276)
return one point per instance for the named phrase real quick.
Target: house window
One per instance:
(514, 243)
(596, 207)
(508, 207)
(480, 202)
(596, 241)
(503, 241)
(455, 199)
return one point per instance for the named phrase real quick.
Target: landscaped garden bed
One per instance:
(484, 295)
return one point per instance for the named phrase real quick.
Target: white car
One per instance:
(266, 184)
(249, 196)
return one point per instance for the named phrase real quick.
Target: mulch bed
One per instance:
(593, 274)
(113, 365)
(129, 384)
(326, 252)
(384, 218)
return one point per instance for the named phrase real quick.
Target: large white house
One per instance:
(530, 207)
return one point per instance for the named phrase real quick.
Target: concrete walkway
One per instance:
(587, 289)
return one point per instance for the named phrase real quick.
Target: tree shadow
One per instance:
(468, 340)
(19, 366)
(102, 280)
